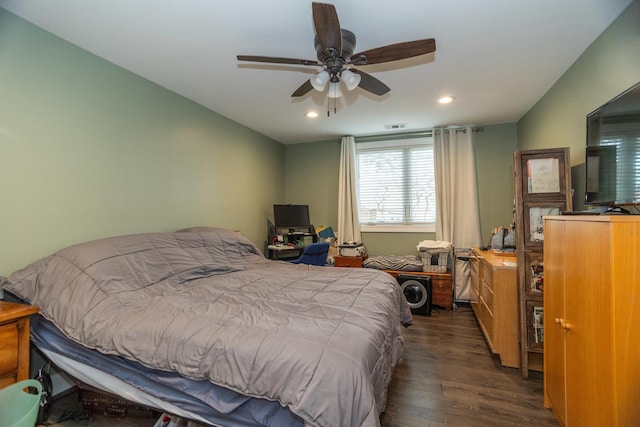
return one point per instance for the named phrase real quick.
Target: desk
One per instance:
(284, 251)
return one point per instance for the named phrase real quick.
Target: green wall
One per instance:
(609, 66)
(312, 178)
(494, 147)
(89, 150)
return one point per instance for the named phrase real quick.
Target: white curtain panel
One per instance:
(348, 225)
(458, 211)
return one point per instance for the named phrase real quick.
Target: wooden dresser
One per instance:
(591, 319)
(494, 300)
(14, 342)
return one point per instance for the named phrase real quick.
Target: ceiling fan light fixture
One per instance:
(334, 90)
(351, 80)
(319, 81)
(334, 51)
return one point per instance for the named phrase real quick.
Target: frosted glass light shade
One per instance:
(351, 80)
(334, 90)
(319, 81)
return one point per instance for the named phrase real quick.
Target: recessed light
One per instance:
(311, 114)
(446, 99)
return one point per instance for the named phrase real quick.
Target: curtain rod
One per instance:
(390, 136)
(410, 135)
(461, 129)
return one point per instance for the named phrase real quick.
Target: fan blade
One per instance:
(370, 83)
(395, 52)
(302, 90)
(325, 21)
(276, 60)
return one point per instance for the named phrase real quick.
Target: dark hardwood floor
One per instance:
(447, 377)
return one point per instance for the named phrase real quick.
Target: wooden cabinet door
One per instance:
(625, 277)
(554, 300)
(592, 287)
(587, 328)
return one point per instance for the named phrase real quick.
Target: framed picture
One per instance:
(534, 272)
(534, 223)
(535, 325)
(544, 174)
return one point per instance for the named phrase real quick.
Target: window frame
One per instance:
(390, 142)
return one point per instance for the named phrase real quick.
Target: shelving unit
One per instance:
(542, 188)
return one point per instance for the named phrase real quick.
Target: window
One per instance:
(396, 185)
(627, 165)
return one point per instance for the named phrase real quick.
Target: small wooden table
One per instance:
(348, 261)
(14, 342)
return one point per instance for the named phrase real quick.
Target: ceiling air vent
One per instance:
(396, 126)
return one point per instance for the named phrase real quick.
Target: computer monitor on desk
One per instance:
(292, 219)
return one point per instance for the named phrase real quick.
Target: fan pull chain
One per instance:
(335, 108)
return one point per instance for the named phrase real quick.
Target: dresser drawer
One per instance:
(348, 261)
(14, 342)
(486, 319)
(8, 348)
(486, 293)
(486, 273)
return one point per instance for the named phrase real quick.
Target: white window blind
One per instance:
(627, 164)
(396, 185)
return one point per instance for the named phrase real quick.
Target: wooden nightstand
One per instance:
(348, 261)
(14, 342)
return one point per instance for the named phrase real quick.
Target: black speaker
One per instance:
(417, 290)
(45, 397)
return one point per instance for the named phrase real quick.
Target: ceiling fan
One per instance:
(334, 49)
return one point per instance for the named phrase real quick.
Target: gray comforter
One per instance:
(206, 303)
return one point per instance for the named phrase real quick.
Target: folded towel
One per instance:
(438, 245)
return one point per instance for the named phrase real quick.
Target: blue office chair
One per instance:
(314, 254)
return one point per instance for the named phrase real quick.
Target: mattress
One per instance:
(200, 401)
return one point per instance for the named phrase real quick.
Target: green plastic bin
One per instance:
(19, 407)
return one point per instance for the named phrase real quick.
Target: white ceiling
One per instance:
(497, 57)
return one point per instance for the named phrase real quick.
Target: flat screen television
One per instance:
(613, 151)
(291, 216)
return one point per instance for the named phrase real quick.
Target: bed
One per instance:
(200, 322)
